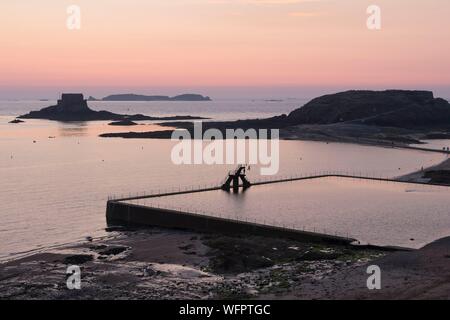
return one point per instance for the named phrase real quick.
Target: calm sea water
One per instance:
(217, 109)
(56, 177)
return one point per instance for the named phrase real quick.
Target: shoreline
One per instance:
(341, 133)
(417, 176)
(171, 264)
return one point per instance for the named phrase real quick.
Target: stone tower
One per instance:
(72, 102)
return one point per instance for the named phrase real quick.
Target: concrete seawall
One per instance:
(131, 214)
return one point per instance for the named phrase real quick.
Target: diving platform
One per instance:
(234, 178)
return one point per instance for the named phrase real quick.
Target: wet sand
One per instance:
(419, 274)
(167, 264)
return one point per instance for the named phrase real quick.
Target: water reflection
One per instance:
(73, 129)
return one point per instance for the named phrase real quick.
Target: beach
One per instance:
(168, 264)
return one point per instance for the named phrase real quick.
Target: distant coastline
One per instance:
(140, 97)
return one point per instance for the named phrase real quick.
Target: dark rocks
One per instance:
(16, 121)
(391, 108)
(164, 134)
(187, 247)
(98, 247)
(115, 228)
(78, 259)
(113, 251)
(73, 107)
(125, 122)
(437, 135)
(149, 272)
(399, 139)
(351, 115)
(317, 256)
(438, 176)
(235, 255)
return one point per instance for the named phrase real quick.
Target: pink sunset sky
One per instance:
(174, 46)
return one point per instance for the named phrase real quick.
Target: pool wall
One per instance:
(131, 215)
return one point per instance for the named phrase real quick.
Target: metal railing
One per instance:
(292, 227)
(258, 181)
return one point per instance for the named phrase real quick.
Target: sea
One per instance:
(56, 177)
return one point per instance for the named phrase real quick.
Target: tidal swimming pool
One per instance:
(375, 212)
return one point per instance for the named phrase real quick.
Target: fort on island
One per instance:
(72, 102)
(73, 107)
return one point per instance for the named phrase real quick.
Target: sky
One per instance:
(222, 47)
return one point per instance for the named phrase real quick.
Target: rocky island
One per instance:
(125, 122)
(391, 108)
(16, 121)
(140, 97)
(73, 107)
(400, 116)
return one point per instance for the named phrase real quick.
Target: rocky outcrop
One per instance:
(139, 97)
(369, 117)
(16, 121)
(190, 97)
(73, 107)
(125, 122)
(391, 108)
(164, 134)
(438, 176)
